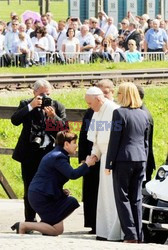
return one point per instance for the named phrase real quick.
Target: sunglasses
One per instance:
(130, 44)
(123, 23)
(94, 22)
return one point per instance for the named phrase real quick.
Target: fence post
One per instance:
(41, 7)
(47, 6)
(20, 2)
(8, 2)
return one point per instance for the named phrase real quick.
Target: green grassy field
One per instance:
(105, 66)
(156, 100)
(58, 8)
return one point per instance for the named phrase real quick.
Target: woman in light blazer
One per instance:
(126, 157)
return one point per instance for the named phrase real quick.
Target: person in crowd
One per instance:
(46, 194)
(2, 40)
(36, 139)
(150, 165)
(93, 27)
(70, 47)
(105, 51)
(75, 23)
(61, 35)
(150, 25)
(91, 179)
(22, 29)
(124, 27)
(40, 44)
(87, 43)
(144, 22)
(23, 49)
(102, 19)
(53, 23)
(132, 54)
(29, 26)
(109, 28)
(133, 34)
(98, 41)
(107, 221)
(156, 39)
(11, 39)
(126, 157)
(118, 53)
(49, 28)
(36, 25)
(14, 17)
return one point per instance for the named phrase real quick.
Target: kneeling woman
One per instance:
(46, 194)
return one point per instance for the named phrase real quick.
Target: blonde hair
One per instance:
(129, 95)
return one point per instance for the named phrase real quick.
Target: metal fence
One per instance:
(17, 59)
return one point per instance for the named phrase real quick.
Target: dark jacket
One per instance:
(135, 36)
(53, 172)
(129, 136)
(23, 150)
(150, 166)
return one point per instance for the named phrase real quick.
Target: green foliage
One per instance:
(59, 9)
(156, 99)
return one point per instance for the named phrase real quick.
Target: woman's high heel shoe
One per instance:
(16, 227)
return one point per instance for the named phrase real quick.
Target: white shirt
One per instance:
(2, 40)
(11, 40)
(110, 30)
(61, 35)
(88, 39)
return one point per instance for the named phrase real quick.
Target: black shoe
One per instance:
(16, 227)
(101, 238)
(93, 231)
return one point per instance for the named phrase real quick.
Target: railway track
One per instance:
(77, 79)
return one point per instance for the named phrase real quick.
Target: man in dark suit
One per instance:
(41, 118)
(133, 34)
(150, 165)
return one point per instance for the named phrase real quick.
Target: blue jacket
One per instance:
(129, 136)
(53, 172)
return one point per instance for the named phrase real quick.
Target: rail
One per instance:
(74, 116)
(149, 76)
(17, 59)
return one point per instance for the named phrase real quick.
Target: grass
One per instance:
(58, 8)
(105, 66)
(156, 100)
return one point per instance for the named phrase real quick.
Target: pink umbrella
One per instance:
(30, 14)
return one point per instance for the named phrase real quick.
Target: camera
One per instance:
(46, 101)
(74, 19)
(37, 135)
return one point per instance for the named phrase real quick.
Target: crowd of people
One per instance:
(115, 156)
(69, 41)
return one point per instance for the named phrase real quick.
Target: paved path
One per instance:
(75, 236)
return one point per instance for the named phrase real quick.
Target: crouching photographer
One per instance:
(35, 139)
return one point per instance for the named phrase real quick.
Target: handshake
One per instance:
(91, 160)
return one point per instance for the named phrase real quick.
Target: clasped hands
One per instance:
(37, 102)
(91, 160)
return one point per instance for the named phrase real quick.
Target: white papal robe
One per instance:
(107, 221)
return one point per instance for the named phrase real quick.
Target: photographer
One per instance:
(36, 140)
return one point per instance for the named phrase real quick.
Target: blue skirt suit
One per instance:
(46, 194)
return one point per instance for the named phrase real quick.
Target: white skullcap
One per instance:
(94, 91)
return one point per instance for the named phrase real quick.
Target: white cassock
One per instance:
(107, 221)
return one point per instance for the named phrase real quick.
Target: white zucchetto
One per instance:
(94, 91)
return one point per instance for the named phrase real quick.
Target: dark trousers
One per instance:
(90, 192)
(127, 181)
(29, 169)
